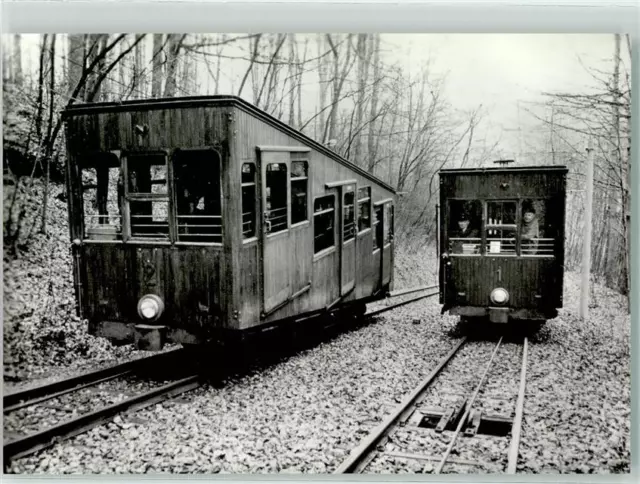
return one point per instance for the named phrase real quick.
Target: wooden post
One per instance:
(586, 246)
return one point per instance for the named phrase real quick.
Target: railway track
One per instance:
(459, 435)
(51, 398)
(409, 301)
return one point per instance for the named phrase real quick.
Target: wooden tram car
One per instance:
(501, 242)
(201, 219)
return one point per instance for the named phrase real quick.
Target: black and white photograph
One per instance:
(316, 253)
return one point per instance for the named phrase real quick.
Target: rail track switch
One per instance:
(473, 423)
(149, 337)
(476, 423)
(451, 417)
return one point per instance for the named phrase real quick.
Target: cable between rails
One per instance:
(467, 411)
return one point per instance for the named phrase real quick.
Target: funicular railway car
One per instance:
(200, 219)
(502, 242)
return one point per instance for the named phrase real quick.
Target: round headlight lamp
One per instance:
(499, 296)
(150, 307)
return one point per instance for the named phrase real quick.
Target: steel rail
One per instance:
(467, 411)
(402, 292)
(49, 396)
(34, 442)
(378, 311)
(31, 396)
(356, 460)
(517, 423)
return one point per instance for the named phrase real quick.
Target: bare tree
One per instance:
(75, 58)
(604, 115)
(138, 71)
(254, 55)
(324, 85)
(372, 145)
(157, 62)
(340, 74)
(17, 59)
(49, 141)
(174, 44)
(363, 53)
(292, 80)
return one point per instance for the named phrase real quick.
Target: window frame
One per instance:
(81, 164)
(298, 179)
(148, 197)
(255, 209)
(486, 226)
(374, 226)
(175, 236)
(554, 240)
(317, 254)
(287, 205)
(123, 160)
(448, 218)
(361, 201)
(387, 236)
(354, 204)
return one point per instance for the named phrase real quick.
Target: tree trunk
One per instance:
(615, 278)
(363, 71)
(106, 90)
(170, 81)
(76, 64)
(50, 141)
(216, 89)
(339, 78)
(138, 81)
(185, 80)
(174, 42)
(271, 75)
(17, 59)
(39, 99)
(371, 144)
(300, 69)
(122, 77)
(157, 64)
(292, 81)
(322, 79)
(96, 47)
(6, 62)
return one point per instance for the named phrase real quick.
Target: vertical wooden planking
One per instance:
(523, 278)
(194, 285)
(348, 274)
(107, 289)
(365, 275)
(325, 276)
(302, 243)
(249, 288)
(124, 128)
(225, 138)
(157, 129)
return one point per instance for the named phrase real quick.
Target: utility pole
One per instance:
(586, 246)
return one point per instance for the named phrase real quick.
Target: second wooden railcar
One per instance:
(502, 242)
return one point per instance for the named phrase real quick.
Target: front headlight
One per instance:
(150, 307)
(499, 296)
